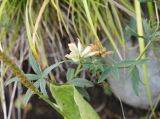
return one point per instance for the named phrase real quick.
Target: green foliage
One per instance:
(135, 78)
(104, 74)
(102, 71)
(93, 65)
(39, 79)
(71, 103)
(50, 68)
(150, 34)
(128, 63)
(7, 82)
(107, 89)
(80, 82)
(131, 30)
(87, 19)
(114, 69)
(34, 64)
(70, 74)
(83, 92)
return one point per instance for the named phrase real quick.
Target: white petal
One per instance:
(72, 56)
(73, 47)
(75, 60)
(80, 48)
(86, 51)
(92, 54)
(68, 56)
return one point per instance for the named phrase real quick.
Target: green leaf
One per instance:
(131, 29)
(127, 63)
(35, 66)
(135, 78)
(93, 65)
(42, 84)
(27, 96)
(29, 76)
(29, 93)
(50, 68)
(70, 73)
(142, 61)
(115, 72)
(9, 81)
(104, 74)
(80, 82)
(32, 76)
(157, 36)
(83, 92)
(72, 103)
(107, 89)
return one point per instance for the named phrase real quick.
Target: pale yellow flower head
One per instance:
(78, 52)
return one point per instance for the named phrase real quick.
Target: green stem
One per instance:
(78, 69)
(151, 12)
(25, 81)
(144, 50)
(142, 47)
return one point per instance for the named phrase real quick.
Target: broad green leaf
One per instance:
(135, 78)
(104, 74)
(72, 103)
(127, 63)
(50, 68)
(80, 82)
(70, 73)
(35, 66)
(9, 81)
(32, 76)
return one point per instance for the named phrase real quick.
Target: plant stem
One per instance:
(28, 84)
(77, 70)
(144, 50)
(142, 47)
(151, 12)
